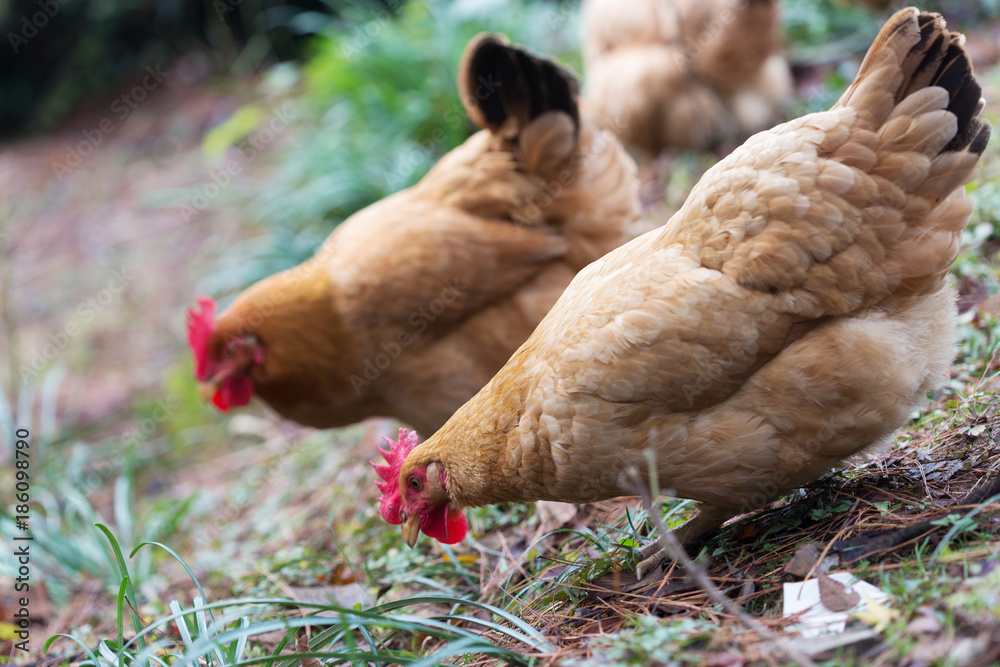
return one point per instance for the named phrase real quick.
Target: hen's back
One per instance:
(686, 73)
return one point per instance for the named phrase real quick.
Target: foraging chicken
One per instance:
(412, 304)
(688, 74)
(789, 316)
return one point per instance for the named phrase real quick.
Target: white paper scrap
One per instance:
(804, 597)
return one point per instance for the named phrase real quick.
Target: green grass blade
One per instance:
(111, 656)
(180, 560)
(121, 621)
(241, 643)
(127, 585)
(83, 647)
(961, 525)
(537, 640)
(467, 646)
(123, 509)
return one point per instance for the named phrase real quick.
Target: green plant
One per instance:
(652, 640)
(368, 125)
(379, 634)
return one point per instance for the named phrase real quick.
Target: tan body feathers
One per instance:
(790, 315)
(413, 303)
(684, 73)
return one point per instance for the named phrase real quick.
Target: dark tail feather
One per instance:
(927, 54)
(498, 82)
(941, 60)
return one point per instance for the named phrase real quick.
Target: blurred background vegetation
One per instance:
(61, 54)
(372, 81)
(374, 126)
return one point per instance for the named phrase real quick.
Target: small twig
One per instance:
(927, 487)
(826, 550)
(698, 574)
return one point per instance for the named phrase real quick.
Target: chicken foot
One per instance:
(691, 536)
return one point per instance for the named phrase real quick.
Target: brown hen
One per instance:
(684, 74)
(412, 304)
(789, 316)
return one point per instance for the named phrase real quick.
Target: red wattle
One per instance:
(219, 401)
(445, 525)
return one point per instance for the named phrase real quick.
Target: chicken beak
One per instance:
(411, 530)
(207, 389)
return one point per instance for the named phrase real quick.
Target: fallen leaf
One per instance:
(804, 560)
(750, 531)
(875, 614)
(302, 646)
(941, 471)
(834, 595)
(341, 576)
(802, 601)
(463, 559)
(869, 544)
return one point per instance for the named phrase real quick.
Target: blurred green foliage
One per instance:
(60, 55)
(379, 107)
(817, 31)
(824, 31)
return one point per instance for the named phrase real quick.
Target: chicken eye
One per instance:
(414, 483)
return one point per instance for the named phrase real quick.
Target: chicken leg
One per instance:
(691, 536)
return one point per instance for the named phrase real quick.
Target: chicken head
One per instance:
(222, 366)
(417, 498)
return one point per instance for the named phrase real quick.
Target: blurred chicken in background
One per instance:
(684, 74)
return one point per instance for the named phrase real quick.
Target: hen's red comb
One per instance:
(390, 502)
(201, 324)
